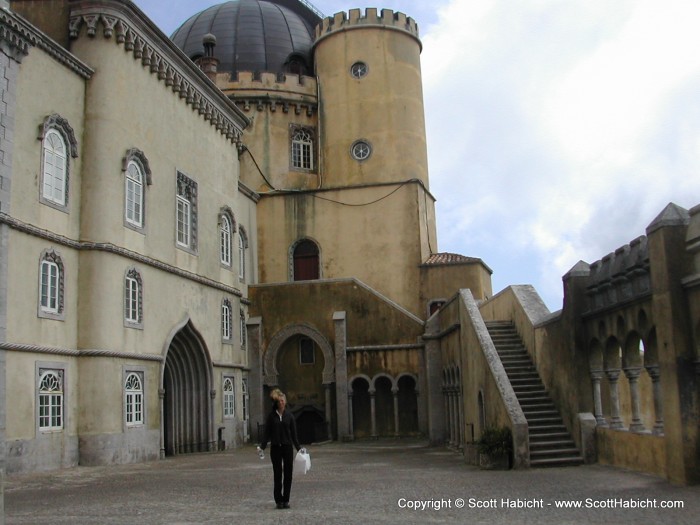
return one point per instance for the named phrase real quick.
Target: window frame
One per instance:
(134, 405)
(186, 213)
(133, 298)
(55, 125)
(52, 260)
(242, 328)
(302, 148)
(130, 185)
(229, 397)
(56, 399)
(242, 253)
(51, 153)
(226, 321)
(366, 151)
(359, 70)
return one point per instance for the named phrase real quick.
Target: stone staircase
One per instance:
(551, 444)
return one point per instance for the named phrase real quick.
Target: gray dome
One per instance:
(254, 35)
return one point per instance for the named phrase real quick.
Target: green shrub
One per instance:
(496, 441)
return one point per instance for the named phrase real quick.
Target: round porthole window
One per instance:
(358, 70)
(361, 150)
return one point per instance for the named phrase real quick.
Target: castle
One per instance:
(189, 222)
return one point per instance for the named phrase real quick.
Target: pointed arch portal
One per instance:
(186, 395)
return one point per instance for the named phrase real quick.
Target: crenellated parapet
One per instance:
(621, 276)
(271, 92)
(122, 23)
(384, 19)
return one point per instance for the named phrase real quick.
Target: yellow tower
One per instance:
(371, 116)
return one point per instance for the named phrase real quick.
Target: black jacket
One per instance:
(280, 432)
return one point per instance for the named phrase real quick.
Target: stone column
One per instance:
(615, 420)
(256, 409)
(351, 422)
(161, 405)
(433, 380)
(596, 376)
(341, 377)
(453, 417)
(329, 429)
(460, 417)
(211, 446)
(373, 411)
(395, 393)
(632, 374)
(655, 374)
(448, 415)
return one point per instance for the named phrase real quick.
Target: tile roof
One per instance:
(449, 258)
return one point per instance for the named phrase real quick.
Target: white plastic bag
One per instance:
(302, 461)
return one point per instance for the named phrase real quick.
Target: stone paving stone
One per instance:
(350, 484)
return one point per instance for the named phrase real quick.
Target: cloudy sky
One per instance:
(557, 129)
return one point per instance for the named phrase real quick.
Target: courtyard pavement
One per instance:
(381, 482)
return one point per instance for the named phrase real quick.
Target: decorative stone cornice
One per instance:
(30, 229)
(130, 28)
(18, 36)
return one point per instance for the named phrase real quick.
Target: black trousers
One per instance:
(282, 457)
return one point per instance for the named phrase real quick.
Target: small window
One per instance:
(359, 70)
(58, 146)
(244, 386)
(133, 297)
(226, 320)
(51, 286)
(229, 398)
(50, 400)
(55, 168)
(361, 150)
(302, 149)
(133, 399)
(306, 351)
(186, 212)
(242, 329)
(225, 233)
(134, 195)
(242, 253)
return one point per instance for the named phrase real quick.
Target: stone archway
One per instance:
(323, 401)
(186, 394)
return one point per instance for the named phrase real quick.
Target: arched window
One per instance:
(225, 232)
(133, 399)
(58, 145)
(133, 297)
(137, 175)
(302, 149)
(51, 285)
(244, 386)
(134, 195)
(226, 327)
(50, 400)
(242, 253)
(55, 168)
(306, 261)
(229, 398)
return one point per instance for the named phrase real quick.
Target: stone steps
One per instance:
(551, 444)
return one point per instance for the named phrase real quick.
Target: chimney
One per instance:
(209, 63)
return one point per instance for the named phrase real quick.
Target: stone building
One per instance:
(188, 222)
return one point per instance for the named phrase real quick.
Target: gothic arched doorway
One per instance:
(187, 411)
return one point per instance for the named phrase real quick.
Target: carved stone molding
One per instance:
(155, 52)
(18, 37)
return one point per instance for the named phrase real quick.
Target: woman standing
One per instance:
(281, 433)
